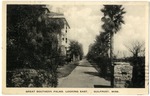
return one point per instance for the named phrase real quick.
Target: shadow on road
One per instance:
(92, 73)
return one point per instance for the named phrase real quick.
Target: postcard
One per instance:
(74, 47)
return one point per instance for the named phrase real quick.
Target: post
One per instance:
(112, 75)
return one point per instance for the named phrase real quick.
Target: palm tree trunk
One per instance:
(111, 59)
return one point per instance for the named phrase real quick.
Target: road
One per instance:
(83, 76)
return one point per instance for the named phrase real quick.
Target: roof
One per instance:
(57, 15)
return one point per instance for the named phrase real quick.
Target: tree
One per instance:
(75, 49)
(31, 36)
(113, 19)
(32, 39)
(138, 62)
(21, 22)
(98, 52)
(136, 47)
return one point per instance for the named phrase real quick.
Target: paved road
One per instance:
(83, 76)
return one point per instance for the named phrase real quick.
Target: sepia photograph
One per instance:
(76, 45)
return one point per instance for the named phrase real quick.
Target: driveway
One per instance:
(83, 76)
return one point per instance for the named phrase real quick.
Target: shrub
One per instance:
(31, 78)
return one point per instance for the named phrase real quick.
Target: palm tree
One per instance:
(113, 19)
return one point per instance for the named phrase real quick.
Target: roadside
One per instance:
(95, 66)
(99, 71)
(66, 69)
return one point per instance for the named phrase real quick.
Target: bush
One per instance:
(31, 78)
(138, 75)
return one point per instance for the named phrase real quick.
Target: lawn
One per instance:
(65, 70)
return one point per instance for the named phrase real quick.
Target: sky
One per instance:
(85, 23)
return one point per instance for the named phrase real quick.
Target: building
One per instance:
(63, 41)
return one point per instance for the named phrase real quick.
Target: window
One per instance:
(62, 38)
(66, 31)
(66, 40)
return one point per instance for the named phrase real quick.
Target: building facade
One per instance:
(63, 41)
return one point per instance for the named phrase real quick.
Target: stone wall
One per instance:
(122, 74)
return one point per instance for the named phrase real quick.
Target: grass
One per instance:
(65, 70)
(107, 77)
(95, 66)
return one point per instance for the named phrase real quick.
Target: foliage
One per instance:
(31, 42)
(32, 38)
(138, 62)
(30, 78)
(75, 49)
(99, 51)
(113, 18)
(136, 48)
